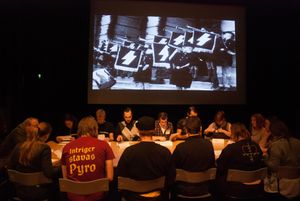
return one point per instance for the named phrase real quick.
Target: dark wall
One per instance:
(52, 37)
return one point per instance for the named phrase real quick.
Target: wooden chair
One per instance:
(251, 184)
(34, 179)
(141, 186)
(83, 187)
(195, 178)
(289, 181)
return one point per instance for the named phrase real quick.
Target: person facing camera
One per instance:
(126, 130)
(87, 158)
(145, 160)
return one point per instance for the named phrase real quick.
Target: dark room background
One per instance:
(44, 58)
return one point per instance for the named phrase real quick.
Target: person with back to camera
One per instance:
(145, 160)
(283, 150)
(127, 130)
(220, 128)
(96, 156)
(195, 155)
(243, 154)
(19, 134)
(181, 131)
(34, 155)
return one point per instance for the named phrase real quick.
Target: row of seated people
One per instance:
(126, 129)
(148, 160)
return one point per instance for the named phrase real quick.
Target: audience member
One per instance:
(244, 154)
(283, 151)
(220, 128)
(126, 130)
(17, 135)
(195, 155)
(145, 160)
(104, 127)
(34, 155)
(163, 127)
(87, 158)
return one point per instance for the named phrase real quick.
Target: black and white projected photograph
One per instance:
(163, 53)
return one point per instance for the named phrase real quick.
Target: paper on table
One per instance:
(165, 143)
(217, 153)
(218, 143)
(58, 153)
(123, 145)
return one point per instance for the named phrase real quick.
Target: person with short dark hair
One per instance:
(145, 160)
(163, 127)
(195, 155)
(126, 130)
(70, 125)
(87, 151)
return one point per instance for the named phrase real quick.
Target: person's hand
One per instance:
(119, 138)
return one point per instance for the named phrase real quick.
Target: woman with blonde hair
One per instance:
(34, 155)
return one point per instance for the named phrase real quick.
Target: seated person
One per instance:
(104, 127)
(181, 132)
(220, 128)
(195, 155)
(34, 155)
(181, 128)
(69, 130)
(126, 130)
(243, 154)
(18, 135)
(145, 160)
(163, 128)
(283, 150)
(75, 155)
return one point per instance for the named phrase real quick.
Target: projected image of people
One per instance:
(163, 53)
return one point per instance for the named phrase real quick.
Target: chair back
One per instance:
(83, 187)
(27, 179)
(195, 177)
(140, 186)
(243, 176)
(288, 172)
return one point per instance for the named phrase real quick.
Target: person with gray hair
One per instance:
(104, 127)
(87, 158)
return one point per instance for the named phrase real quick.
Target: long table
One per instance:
(118, 148)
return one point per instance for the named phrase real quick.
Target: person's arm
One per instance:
(209, 129)
(109, 169)
(46, 163)
(274, 156)
(119, 133)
